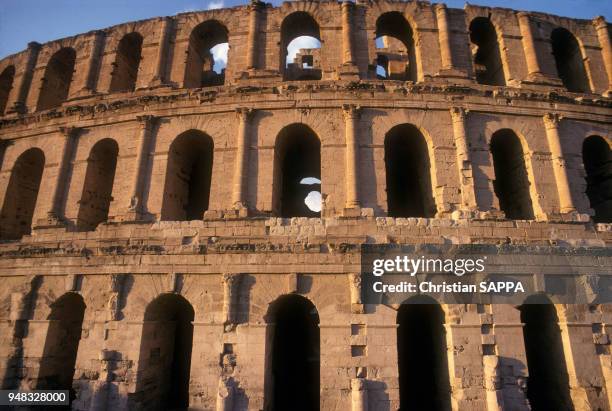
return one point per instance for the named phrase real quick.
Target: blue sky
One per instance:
(22, 21)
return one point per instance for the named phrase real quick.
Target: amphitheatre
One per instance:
(156, 251)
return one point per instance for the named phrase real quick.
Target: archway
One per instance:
(206, 55)
(188, 177)
(487, 58)
(297, 172)
(597, 159)
(58, 76)
(6, 84)
(292, 378)
(569, 61)
(300, 47)
(407, 165)
(98, 186)
(395, 47)
(127, 62)
(548, 384)
(511, 182)
(165, 353)
(21, 195)
(58, 360)
(422, 358)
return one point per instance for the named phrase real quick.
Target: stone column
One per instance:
(492, 383)
(359, 397)
(355, 291)
(347, 33)
(228, 280)
(241, 162)
(55, 214)
(533, 65)
(91, 68)
(464, 165)
(136, 207)
(444, 36)
(253, 39)
(225, 395)
(25, 80)
(551, 122)
(351, 117)
(606, 48)
(162, 53)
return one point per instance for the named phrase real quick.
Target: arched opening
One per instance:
(487, 58)
(408, 169)
(548, 383)
(297, 172)
(597, 159)
(300, 47)
(569, 61)
(422, 359)
(58, 360)
(127, 61)
(6, 84)
(188, 176)
(395, 47)
(511, 182)
(165, 353)
(207, 55)
(21, 195)
(58, 76)
(98, 186)
(293, 357)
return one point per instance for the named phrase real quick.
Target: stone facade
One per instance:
(155, 252)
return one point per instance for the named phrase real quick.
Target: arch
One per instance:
(165, 353)
(21, 195)
(297, 156)
(407, 165)
(487, 57)
(6, 84)
(98, 186)
(597, 159)
(424, 381)
(58, 360)
(127, 63)
(58, 76)
(293, 355)
(569, 61)
(200, 66)
(398, 51)
(188, 177)
(300, 25)
(548, 383)
(511, 182)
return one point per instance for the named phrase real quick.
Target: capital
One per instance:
(523, 16)
(552, 120)
(68, 131)
(244, 113)
(440, 8)
(458, 114)
(256, 5)
(228, 279)
(34, 45)
(351, 111)
(146, 120)
(347, 4)
(600, 23)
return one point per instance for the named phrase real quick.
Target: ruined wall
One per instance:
(217, 279)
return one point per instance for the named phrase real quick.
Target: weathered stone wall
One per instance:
(231, 265)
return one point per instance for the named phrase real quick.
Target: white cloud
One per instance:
(310, 180)
(313, 201)
(302, 42)
(215, 4)
(219, 53)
